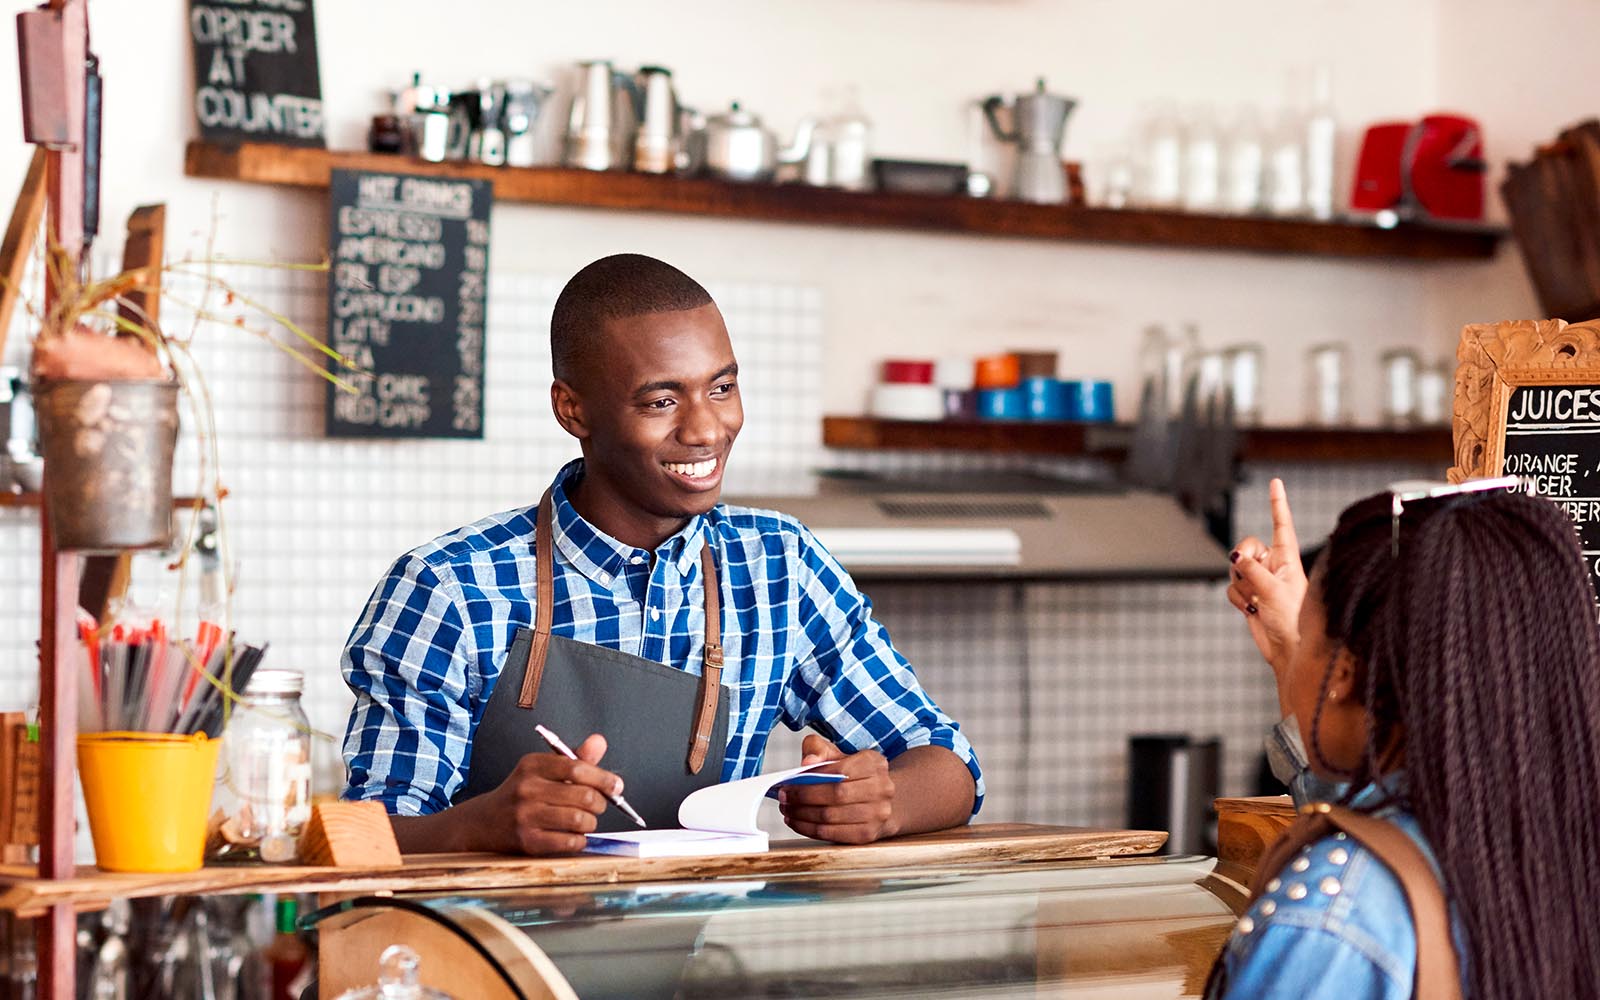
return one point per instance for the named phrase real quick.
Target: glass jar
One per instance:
(1325, 391)
(266, 779)
(1243, 365)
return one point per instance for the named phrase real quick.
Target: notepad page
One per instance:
(732, 807)
(674, 843)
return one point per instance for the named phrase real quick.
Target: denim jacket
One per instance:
(1334, 925)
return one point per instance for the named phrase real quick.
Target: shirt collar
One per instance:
(596, 554)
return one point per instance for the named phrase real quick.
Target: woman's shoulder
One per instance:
(1333, 895)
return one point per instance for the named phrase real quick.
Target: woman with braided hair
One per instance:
(1440, 670)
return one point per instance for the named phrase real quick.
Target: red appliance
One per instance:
(1433, 169)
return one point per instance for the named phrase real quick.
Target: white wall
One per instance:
(917, 63)
(1526, 71)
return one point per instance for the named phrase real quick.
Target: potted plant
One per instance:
(106, 385)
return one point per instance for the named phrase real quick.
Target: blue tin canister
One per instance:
(1090, 401)
(1044, 398)
(1001, 404)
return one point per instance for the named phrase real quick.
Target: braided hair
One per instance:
(1479, 660)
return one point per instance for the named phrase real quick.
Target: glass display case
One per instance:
(1139, 928)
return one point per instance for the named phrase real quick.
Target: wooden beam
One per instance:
(18, 243)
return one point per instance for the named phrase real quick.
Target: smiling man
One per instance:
(630, 609)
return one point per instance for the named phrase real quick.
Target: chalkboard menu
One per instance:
(255, 71)
(407, 297)
(1552, 440)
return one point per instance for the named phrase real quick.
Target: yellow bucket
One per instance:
(148, 796)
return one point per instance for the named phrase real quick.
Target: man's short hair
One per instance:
(615, 287)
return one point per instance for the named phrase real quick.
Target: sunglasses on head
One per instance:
(1412, 491)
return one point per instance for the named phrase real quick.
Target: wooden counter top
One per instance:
(21, 892)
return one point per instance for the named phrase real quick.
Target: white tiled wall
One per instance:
(1048, 679)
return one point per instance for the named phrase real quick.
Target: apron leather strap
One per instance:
(1438, 974)
(545, 602)
(705, 716)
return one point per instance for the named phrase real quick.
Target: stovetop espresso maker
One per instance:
(1037, 124)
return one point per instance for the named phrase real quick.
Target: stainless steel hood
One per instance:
(1007, 528)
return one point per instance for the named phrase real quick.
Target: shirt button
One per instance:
(637, 560)
(605, 579)
(655, 614)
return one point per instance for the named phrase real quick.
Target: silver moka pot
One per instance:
(1037, 124)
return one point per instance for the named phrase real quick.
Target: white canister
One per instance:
(905, 401)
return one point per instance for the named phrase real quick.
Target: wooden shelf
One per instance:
(1110, 441)
(994, 843)
(298, 167)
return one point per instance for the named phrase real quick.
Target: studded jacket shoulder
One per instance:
(1333, 925)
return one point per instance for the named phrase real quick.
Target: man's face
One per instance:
(659, 409)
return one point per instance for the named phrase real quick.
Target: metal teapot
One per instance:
(604, 115)
(735, 146)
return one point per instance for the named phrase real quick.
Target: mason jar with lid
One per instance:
(266, 779)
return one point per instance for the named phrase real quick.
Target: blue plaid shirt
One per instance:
(799, 642)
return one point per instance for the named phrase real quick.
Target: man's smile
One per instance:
(699, 473)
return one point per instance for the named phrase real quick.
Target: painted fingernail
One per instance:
(1251, 608)
(1233, 556)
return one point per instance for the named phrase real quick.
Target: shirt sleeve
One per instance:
(850, 683)
(406, 662)
(1290, 962)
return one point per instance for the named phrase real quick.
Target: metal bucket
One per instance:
(108, 461)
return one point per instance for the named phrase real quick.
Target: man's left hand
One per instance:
(857, 810)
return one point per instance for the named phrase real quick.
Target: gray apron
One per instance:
(662, 725)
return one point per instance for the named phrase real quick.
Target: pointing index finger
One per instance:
(1284, 540)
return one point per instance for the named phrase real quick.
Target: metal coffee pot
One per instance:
(1038, 122)
(735, 146)
(525, 101)
(658, 146)
(604, 115)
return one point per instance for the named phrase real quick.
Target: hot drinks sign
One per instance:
(407, 297)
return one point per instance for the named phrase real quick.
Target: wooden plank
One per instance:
(1109, 441)
(18, 243)
(268, 164)
(982, 844)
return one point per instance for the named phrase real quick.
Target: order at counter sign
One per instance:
(407, 304)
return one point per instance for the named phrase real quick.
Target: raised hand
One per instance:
(1268, 583)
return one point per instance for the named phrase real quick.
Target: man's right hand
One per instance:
(545, 806)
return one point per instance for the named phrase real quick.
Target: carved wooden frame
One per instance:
(1495, 358)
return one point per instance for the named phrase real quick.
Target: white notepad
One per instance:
(717, 819)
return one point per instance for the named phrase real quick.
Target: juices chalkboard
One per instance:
(1552, 441)
(1527, 404)
(255, 71)
(407, 300)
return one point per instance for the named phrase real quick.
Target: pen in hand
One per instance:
(561, 748)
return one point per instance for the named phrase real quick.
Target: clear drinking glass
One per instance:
(1433, 394)
(1243, 163)
(266, 781)
(1243, 365)
(1202, 162)
(1161, 179)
